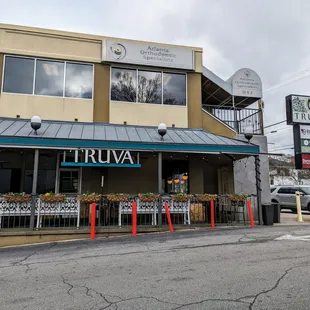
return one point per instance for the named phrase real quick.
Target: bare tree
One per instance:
(149, 90)
(285, 168)
(124, 89)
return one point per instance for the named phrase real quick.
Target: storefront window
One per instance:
(49, 78)
(69, 181)
(149, 87)
(79, 80)
(174, 89)
(18, 75)
(123, 85)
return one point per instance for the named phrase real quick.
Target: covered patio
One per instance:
(73, 160)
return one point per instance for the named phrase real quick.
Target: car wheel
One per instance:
(308, 207)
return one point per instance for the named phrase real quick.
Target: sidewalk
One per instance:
(289, 218)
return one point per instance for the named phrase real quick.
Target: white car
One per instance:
(286, 197)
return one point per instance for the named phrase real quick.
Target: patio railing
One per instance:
(71, 213)
(238, 118)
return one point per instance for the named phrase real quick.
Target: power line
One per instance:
(285, 145)
(287, 83)
(289, 78)
(282, 149)
(276, 131)
(274, 124)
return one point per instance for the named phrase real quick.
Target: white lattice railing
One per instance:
(70, 207)
(152, 209)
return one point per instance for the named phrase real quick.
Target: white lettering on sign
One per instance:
(105, 157)
(100, 157)
(306, 161)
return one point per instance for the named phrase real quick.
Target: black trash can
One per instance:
(268, 214)
(277, 212)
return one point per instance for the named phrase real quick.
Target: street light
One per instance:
(162, 130)
(248, 133)
(36, 123)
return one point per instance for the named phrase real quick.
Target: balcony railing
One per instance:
(238, 118)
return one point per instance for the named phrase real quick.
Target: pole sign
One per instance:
(302, 146)
(247, 83)
(298, 115)
(297, 109)
(101, 158)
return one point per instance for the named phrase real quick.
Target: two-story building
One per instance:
(101, 100)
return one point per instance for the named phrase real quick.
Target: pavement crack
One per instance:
(136, 298)
(210, 299)
(273, 287)
(24, 259)
(65, 281)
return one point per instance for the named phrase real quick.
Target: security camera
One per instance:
(162, 129)
(36, 123)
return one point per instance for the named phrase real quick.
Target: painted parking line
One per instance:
(295, 238)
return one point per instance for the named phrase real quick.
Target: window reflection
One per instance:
(149, 87)
(49, 78)
(124, 85)
(18, 75)
(174, 89)
(79, 80)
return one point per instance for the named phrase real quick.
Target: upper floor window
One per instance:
(131, 85)
(123, 85)
(18, 75)
(47, 77)
(149, 90)
(174, 89)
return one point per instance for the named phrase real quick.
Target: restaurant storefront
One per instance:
(73, 159)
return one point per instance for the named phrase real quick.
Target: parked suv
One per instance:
(285, 196)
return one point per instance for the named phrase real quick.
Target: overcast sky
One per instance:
(270, 37)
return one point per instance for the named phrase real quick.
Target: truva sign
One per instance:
(103, 158)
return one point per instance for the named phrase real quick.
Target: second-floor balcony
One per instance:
(239, 119)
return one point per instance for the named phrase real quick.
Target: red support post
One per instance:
(168, 217)
(93, 221)
(250, 213)
(212, 214)
(134, 218)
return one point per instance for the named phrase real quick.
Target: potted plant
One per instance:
(237, 197)
(17, 197)
(89, 197)
(118, 197)
(180, 197)
(52, 197)
(206, 197)
(148, 197)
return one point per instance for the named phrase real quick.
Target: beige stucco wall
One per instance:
(49, 45)
(49, 108)
(64, 45)
(211, 124)
(194, 100)
(148, 114)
